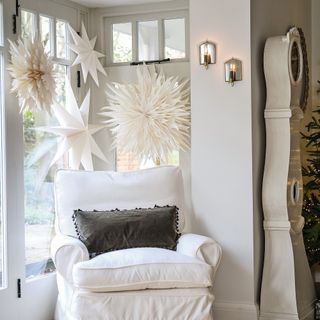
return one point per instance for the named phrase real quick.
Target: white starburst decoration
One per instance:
(86, 55)
(33, 76)
(151, 118)
(75, 131)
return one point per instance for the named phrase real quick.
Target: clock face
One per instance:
(295, 61)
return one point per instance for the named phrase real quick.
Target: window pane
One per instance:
(127, 162)
(61, 39)
(61, 72)
(27, 24)
(174, 158)
(122, 42)
(45, 32)
(40, 148)
(175, 39)
(148, 40)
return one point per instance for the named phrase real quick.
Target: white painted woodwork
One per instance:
(287, 287)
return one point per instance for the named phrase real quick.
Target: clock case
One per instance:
(287, 290)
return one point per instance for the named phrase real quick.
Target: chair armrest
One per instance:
(66, 252)
(201, 247)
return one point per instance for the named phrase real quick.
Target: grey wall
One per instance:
(268, 18)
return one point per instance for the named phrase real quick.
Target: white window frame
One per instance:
(3, 211)
(134, 19)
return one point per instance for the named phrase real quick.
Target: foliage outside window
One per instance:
(122, 42)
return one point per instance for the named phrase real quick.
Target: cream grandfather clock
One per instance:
(287, 287)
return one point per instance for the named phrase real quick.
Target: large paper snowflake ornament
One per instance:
(86, 55)
(76, 133)
(151, 118)
(33, 76)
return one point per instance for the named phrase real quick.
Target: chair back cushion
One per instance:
(108, 190)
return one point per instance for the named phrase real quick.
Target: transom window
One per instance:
(52, 32)
(146, 37)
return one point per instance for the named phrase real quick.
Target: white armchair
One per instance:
(129, 284)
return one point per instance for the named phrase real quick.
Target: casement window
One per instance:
(146, 37)
(38, 146)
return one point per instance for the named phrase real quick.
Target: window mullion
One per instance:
(134, 40)
(36, 24)
(54, 36)
(161, 38)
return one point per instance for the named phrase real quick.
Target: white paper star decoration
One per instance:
(32, 71)
(75, 131)
(150, 119)
(86, 55)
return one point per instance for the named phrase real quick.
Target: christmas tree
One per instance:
(311, 200)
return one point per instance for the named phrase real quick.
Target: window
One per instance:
(127, 162)
(28, 24)
(46, 31)
(148, 40)
(122, 42)
(61, 39)
(175, 44)
(38, 177)
(146, 37)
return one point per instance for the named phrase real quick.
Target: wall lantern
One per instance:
(207, 53)
(233, 70)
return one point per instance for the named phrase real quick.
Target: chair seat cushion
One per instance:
(141, 268)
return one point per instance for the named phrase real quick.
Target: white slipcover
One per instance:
(130, 284)
(141, 268)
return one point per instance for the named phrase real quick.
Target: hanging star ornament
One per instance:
(75, 131)
(33, 75)
(150, 118)
(86, 55)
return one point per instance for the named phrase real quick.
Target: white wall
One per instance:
(221, 155)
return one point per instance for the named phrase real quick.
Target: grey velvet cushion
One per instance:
(103, 231)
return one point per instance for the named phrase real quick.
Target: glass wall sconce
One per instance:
(233, 71)
(207, 53)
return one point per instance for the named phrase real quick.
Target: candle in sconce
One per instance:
(232, 72)
(207, 58)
